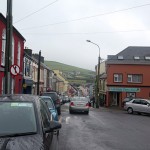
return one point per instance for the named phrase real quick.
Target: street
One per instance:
(104, 129)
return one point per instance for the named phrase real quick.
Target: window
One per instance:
(143, 102)
(44, 114)
(27, 67)
(3, 47)
(147, 57)
(130, 94)
(134, 78)
(3, 86)
(137, 101)
(13, 46)
(136, 57)
(117, 77)
(120, 57)
(12, 86)
(18, 55)
(17, 117)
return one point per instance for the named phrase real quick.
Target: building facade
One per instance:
(128, 75)
(16, 57)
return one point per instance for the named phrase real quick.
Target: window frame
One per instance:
(133, 77)
(18, 54)
(116, 75)
(3, 49)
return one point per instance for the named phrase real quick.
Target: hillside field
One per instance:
(72, 73)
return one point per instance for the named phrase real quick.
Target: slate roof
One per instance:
(128, 54)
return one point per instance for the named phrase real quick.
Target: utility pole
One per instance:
(97, 94)
(38, 75)
(98, 78)
(8, 51)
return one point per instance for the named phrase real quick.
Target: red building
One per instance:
(128, 74)
(17, 56)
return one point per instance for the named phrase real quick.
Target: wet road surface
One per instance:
(104, 129)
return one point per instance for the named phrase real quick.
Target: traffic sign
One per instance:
(15, 70)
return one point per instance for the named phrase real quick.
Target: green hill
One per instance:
(73, 74)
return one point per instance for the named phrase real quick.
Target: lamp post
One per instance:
(97, 76)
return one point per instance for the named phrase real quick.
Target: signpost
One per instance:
(14, 70)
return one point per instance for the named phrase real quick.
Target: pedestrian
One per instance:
(93, 100)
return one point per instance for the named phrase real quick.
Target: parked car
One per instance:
(51, 106)
(127, 99)
(26, 123)
(56, 99)
(137, 105)
(65, 99)
(79, 104)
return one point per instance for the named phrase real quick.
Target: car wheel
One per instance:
(130, 110)
(87, 112)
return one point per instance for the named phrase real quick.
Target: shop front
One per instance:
(27, 86)
(115, 95)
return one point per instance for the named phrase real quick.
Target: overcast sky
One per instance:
(60, 28)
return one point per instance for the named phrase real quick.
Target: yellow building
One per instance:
(61, 83)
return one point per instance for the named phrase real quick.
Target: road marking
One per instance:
(60, 119)
(67, 120)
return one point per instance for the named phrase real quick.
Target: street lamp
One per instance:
(97, 76)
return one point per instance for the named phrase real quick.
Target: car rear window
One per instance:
(17, 117)
(52, 95)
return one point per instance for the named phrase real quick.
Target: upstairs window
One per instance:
(13, 46)
(147, 57)
(136, 57)
(3, 47)
(134, 78)
(120, 57)
(117, 77)
(18, 54)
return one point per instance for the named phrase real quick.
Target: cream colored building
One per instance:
(61, 83)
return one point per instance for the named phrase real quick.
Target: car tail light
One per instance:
(71, 104)
(87, 105)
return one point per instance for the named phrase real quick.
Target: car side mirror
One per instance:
(54, 125)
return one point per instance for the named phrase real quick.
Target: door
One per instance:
(145, 106)
(115, 99)
(45, 114)
(136, 105)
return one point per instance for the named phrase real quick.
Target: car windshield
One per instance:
(17, 118)
(48, 102)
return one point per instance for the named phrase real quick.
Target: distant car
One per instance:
(56, 99)
(79, 104)
(26, 123)
(65, 99)
(51, 107)
(137, 105)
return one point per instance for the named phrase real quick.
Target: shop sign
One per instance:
(122, 89)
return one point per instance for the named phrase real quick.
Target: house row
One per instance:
(26, 81)
(125, 74)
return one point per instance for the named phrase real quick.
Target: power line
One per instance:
(88, 17)
(36, 11)
(80, 33)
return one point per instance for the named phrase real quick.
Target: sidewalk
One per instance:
(115, 108)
